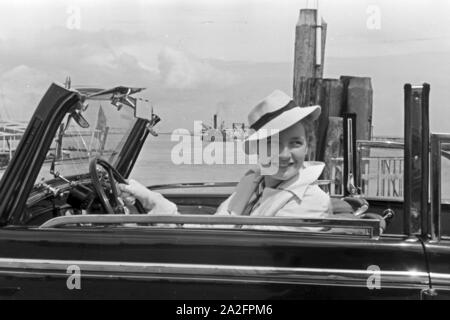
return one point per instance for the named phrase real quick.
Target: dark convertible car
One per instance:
(64, 233)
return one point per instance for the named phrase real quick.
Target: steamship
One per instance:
(238, 131)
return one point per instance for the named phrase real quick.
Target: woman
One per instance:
(289, 190)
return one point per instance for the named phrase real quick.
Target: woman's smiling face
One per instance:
(293, 148)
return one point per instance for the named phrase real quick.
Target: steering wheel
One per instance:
(113, 176)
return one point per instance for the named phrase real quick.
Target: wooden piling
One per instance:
(305, 66)
(308, 74)
(358, 98)
(331, 102)
(309, 92)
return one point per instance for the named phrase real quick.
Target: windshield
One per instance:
(73, 146)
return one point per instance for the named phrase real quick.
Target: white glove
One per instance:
(152, 201)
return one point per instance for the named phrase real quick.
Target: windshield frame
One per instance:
(18, 179)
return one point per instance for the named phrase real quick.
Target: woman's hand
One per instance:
(152, 201)
(134, 190)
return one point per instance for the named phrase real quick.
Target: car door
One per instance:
(177, 263)
(439, 256)
(437, 244)
(22, 172)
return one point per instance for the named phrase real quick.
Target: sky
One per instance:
(201, 57)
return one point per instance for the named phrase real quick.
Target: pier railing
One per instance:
(380, 170)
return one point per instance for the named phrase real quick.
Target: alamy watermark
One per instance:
(373, 282)
(74, 279)
(262, 150)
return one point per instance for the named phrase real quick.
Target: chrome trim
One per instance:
(388, 214)
(219, 273)
(416, 160)
(350, 177)
(379, 144)
(371, 225)
(440, 281)
(362, 209)
(387, 199)
(351, 171)
(324, 182)
(61, 186)
(192, 185)
(435, 188)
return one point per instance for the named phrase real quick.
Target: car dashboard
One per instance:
(47, 202)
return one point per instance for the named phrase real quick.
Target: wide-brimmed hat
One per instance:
(276, 113)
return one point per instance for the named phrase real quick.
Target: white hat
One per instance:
(275, 113)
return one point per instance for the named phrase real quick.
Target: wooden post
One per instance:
(307, 73)
(331, 101)
(309, 92)
(305, 48)
(333, 97)
(358, 98)
(305, 61)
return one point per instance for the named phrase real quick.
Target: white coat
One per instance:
(298, 197)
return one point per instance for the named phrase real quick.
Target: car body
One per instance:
(47, 254)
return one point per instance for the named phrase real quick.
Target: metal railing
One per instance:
(380, 176)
